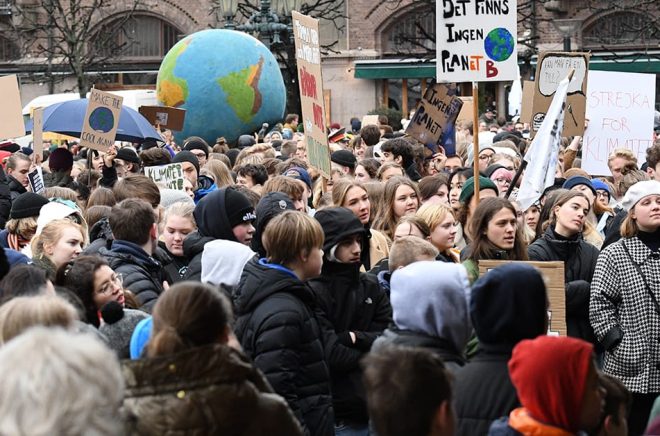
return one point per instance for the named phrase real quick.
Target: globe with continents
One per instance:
(228, 82)
(499, 44)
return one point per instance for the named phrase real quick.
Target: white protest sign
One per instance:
(101, 120)
(620, 109)
(476, 40)
(36, 180)
(170, 176)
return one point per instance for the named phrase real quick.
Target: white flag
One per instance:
(543, 153)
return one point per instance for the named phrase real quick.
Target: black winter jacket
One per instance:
(174, 267)
(15, 188)
(278, 329)
(142, 273)
(193, 247)
(353, 302)
(579, 259)
(5, 199)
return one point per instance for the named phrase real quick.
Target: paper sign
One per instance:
(36, 180)
(527, 101)
(467, 111)
(435, 113)
(553, 67)
(553, 276)
(37, 131)
(620, 110)
(370, 120)
(11, 118)
(170, 176)
(168, 117)
(101, 120)
(308, 55)
(476, 40)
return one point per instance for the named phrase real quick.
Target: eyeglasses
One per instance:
(117, 280)
(485, 156)
(200, 155)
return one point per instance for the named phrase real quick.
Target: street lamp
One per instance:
(567, 27)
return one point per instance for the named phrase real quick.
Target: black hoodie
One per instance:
(270, 205)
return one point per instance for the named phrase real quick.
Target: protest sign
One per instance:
(467, 111)
(37, 132)
(620, 109)
(553, 275)
(308, 55)
(11, 118)
(435, 113)
(527, 101)
(101, 120)
(370, 120)
(476, 40)
(170, 176)
(36, 180)
(552, 68)
(164, 116)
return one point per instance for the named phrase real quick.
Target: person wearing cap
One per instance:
(585, 186)
(198, 147)
(202, 185)
(60, 163)
(223, 214)
(127, 162)
(624, 310)
(22, 224)
(501, 176)
(468, 204)
(303, 176)
(344, 161)
(356, 307)
(604, 212)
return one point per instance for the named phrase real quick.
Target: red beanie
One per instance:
(550, 374)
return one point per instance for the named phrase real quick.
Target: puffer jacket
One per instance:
(202, 391)
(193, 247)
(15, 188)
(142, 273)
(278, 329)
(579, 259)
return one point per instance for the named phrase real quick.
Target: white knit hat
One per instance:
(638, 191)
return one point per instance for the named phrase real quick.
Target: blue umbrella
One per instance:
(67, 118)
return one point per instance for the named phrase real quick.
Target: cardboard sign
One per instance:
(169, 176)
(37, 131)
(36, 180)
(308, 54)
(466, 113)
(164, 116)
(101, 120)
(11, 118)
(527, 102)
(370, 120)
(620, 109)
(553, 275)
(476, 40)
(552, 68)
(435, 113)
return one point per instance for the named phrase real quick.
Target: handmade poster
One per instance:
(167, 117)
(11, 118)
(476, 40)
(38, 131)
(36, 180)
(308, 56)
(467, 110)
(436, 112)
(620, 110)
(370, 120)
(101, 120)
(169, 176)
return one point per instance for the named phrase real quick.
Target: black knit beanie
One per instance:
(60, 159)
(196, 143)
(26, 205)
(238, 207)
(186, 156)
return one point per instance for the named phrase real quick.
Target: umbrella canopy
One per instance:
(67, 118)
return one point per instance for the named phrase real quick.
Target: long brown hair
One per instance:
(481, 246)
(561, 200)
(386, 221)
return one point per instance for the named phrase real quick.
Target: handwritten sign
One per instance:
(370, 120)
(553, 275)
(553, 68)
(11, 118)
(37, 131)
(435, 113)
(620, 109)
(308, 55)
(476, 40)
(164, 116)
(101, 120)
(36, 180)
(170, 176)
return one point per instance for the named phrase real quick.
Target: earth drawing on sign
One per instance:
(101, 120)
(499, 44)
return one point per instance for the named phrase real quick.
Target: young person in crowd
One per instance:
(178, 223)
(468, 204)
(443, 226)
(434, 189)
(401, 198)
(59, 242)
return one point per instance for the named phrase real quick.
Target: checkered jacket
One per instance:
(623, 315)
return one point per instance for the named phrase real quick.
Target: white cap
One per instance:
(638, 191)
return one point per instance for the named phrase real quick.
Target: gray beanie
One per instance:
(119, 334)
(170, 196)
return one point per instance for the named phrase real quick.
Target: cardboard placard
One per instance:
(553, 67)
(553, 275)
(169, 176)
(37, 131)
(164, 116)
(527, 102)
(476, 41)
(621, 110)
(36, 180)
(11, 118)
(310, 80)
(370, 120)
(101, 120)
(466, 113)
(435, 113)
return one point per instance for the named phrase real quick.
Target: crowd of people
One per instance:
(267, 298)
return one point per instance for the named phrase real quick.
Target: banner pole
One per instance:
(475, 137)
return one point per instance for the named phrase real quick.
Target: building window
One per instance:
(141, 36)
(412, 33)
(621, 29)
(8, 50)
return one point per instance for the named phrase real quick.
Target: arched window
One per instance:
(140, 36)
(621, 29)
(414, 32)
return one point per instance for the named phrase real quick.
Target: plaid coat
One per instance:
(624, 316)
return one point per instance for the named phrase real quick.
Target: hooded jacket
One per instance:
(270, 205)
(579, 259)
(352, 302)
(279, 331)
(212, 223)
(508, 304)
(218, 392)
(430, 309)
(223, 263)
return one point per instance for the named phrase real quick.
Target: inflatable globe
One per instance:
(228, 82)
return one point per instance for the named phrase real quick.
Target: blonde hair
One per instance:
(286, 185)
(51, 233)
(629, 227)
(21, 313)
(410, 249)
(434, 214)
(623, 153)
(219, 172)
(24, 227)
(340, 190)
(291, 234)
(183, 209)
(254, 154)
(386, 166)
